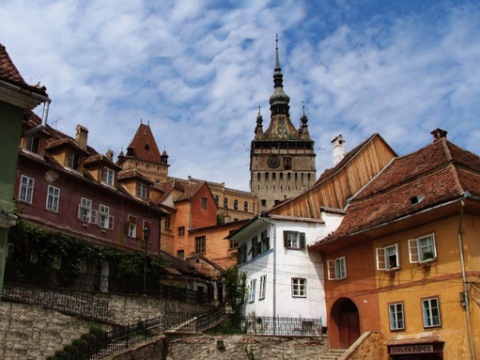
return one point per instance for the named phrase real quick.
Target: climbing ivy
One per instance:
(41, 256)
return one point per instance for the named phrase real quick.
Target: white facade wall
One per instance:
(284, 264)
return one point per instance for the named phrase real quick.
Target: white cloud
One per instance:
(198, 70)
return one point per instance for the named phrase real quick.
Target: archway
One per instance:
(346, 318)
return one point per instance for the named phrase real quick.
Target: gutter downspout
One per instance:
(34, 130)
(274, 271)
(464, 280)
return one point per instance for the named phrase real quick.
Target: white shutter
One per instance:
(331, 269)
(93, 217)
(380, 258)
(413, 250)
(80, 212)
(110, 222)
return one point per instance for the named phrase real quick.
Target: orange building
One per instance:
(405, 260)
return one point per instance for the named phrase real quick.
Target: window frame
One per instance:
(132, 227)
(200, 244)
(52, 202)
(383, 258)
(33, 144)
(85, 210)
(25, 191)
(73, 161)
(105, 220)
(263, 287)
(299, 287)
(298, 243)
(416, 249)
(203, 202)
(337, 268)
(108, 176)
(181, 231)
(430, 317)
(252, 290)
(142, 191)
(396, 322)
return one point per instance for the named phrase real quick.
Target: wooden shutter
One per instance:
(302, 240)
(413, 250)
(380, 258)
(331, 269)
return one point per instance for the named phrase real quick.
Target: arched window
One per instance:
(245, 206)
(235, 204)
(216, 200)
(225, 203)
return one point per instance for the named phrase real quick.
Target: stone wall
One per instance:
(239, 347)
(371, 347)
(32, 332)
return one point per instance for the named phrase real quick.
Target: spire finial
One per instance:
(277, 59)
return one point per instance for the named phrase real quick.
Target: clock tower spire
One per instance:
(282, 158)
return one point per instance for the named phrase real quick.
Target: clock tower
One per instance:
(282, 158)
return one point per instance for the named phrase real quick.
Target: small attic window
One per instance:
(147, 147)
(416, 199)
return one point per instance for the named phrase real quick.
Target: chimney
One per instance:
(338, 149)
(109, 155)
(82, 136)
(438, 134)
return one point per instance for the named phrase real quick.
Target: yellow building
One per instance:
(420, 218)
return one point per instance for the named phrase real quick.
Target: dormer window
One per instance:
(108, 176)
(141, 190)
(33, 144)
(74, 161)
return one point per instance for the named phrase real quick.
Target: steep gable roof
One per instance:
(143, 146)
(437, 174)
(10, 73)
(324, 194)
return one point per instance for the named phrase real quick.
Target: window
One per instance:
(105, 221)
(396, 316)
(168, 222)
(264, 202)
(33, 144)
(233, 244)
(26, 189)
(200, 244)
(431, 313)
(204, 202)
(216, 200)
(242, 254)
(253, 284)
(181, 231)
(85, 210)
(141, 190)
(146, 230)
(256, 248)
(225, 203)
(235, 204)
(181, 254)
(245, 206)
(53, 197)
(265, 241)
(263, 287)
(294, 240)
(423, 249)
(387, 258)
(132, 226)
(74, 161)
(108, 176)
(337, 269)
(299, 287)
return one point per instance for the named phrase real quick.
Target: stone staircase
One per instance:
(331, 355)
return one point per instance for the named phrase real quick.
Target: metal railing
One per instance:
(264, 325)
(123, 337)
(66, 302)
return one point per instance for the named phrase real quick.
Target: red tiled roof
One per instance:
(133, 173)
(10, 73)
(438, 173)
(144, 145)
(189, 191)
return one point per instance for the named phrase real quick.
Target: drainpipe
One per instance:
(464, 279)
(274, 271)
(34, 130)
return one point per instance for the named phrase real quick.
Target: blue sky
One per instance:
(197, 71)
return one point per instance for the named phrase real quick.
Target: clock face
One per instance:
(273, 162)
